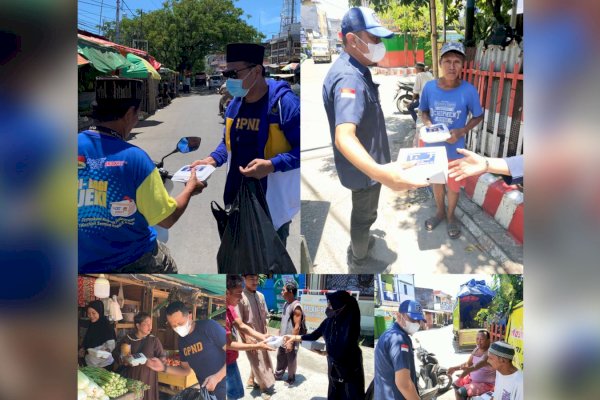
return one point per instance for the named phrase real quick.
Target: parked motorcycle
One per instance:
(225, 99)
(431, 375)
(185, 145)
(403, 97)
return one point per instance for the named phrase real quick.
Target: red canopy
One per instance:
(81, 60)
(122, 49)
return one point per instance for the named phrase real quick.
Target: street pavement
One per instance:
(194, 239)
(402, 244)
(311, 376)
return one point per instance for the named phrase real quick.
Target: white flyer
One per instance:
(203, 172)
(431, 162)
(434, 133)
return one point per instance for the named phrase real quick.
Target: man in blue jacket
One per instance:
(261, 138)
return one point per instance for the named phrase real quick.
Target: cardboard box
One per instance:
(432, 163)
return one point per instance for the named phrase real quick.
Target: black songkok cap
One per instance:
(114, 89)
(249, 52)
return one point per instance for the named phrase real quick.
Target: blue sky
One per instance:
(264, 13)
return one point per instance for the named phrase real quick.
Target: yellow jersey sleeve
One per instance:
(153, 200)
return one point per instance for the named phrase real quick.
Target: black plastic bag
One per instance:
(194, 394)
(221, 217)
(250, 244)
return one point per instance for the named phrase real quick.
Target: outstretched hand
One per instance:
(472, 164)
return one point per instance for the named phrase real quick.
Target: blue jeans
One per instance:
(412, 107)
(235, 387)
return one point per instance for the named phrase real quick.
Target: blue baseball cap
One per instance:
(413, 309)
(452, 46)
(364, 19)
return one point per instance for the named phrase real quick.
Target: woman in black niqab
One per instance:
(341, 331)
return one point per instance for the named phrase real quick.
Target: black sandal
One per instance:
(432, 222)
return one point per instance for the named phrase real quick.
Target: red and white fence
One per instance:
(497, 75)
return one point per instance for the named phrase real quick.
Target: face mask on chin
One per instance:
(184, 329)
(376, 51)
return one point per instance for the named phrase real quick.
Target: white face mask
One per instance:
(376, 51)
(184, 329)
(411, 327)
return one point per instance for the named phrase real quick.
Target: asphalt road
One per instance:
(194, 239)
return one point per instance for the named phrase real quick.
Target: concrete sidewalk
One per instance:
(402, 243)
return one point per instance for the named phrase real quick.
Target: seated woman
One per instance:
(99, 336)
(142, 341)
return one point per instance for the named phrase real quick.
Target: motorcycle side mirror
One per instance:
(188, 144)
(185, 145)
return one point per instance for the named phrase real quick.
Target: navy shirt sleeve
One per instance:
(515, 166)
(216, 332)
(349, 99)
(399, 353)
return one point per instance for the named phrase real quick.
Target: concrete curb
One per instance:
(503, 202)
(492, 237)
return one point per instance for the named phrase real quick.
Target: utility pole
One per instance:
(434, 49)
(513, 15)
(100, 20)
(469, 23)
(445, 6)
(118, 21)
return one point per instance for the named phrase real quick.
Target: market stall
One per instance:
(204, 294)
(143, 70)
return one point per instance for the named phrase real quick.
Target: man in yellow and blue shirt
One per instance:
(120, 191)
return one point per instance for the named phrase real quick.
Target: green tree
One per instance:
(183, 32)
(509, 292)
(489, 13)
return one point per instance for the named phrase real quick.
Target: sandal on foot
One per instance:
(432, 222)
(453, 230)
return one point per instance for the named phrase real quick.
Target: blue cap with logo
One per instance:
(413, 309)
(364, 19)
(452, 46)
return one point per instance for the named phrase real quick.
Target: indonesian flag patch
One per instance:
(404, 347)
(348, 93)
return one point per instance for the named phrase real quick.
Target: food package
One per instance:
(431, 163)
(434, 133)
(275, 341)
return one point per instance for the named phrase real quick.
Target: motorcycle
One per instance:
(224, 100)
(431, 375)
(403, 97)
(185, 145)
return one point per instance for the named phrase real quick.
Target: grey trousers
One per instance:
(286, 360)
(364, 214)
(157, 261)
